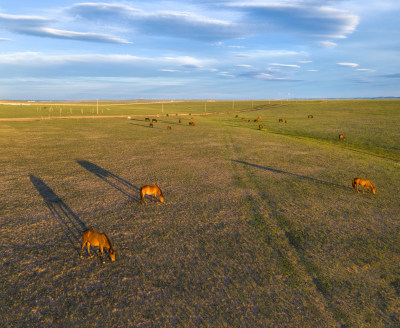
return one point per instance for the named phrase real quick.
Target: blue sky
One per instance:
(224, 49)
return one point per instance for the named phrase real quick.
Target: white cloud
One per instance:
(327, 44)
(285, 65)
(348, 64)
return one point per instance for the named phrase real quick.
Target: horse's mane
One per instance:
(109, 242)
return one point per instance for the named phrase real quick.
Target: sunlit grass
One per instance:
(259, 228)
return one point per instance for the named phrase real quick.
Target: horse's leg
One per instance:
(88, 249)
(357, 188)
(101, 254)
(364, 188)
(83, 245)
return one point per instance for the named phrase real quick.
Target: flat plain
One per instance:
(260, 228)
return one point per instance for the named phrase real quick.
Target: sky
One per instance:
(187, 49)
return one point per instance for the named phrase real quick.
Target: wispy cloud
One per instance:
(285, 65)
(163, 23)
(309, 19)
(39, 26)
(347, 64)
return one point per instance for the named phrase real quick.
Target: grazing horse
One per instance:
(259, 118)
(147, 119)
(363, 182)
(154, 120)
(236, 116)
(243, 118)
(310, 116)
(191, 123)
(91, 237)
(153, 190)
(285, 121)
(150, 125)
(260, 127)
(180, 121)
(280, 120)
(342, 137)
(256, 120)
(169, 128)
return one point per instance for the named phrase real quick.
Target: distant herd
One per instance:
(91, 237)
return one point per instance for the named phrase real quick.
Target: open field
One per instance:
(258, 229)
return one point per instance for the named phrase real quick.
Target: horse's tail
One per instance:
(141, 193)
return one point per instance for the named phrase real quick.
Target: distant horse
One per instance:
(342, 137)
(153, 190)
(249, 121)
(310, 116)
(260, 127)
(256, 120)
(285, 121)
(191, 123)
(150, 125)
(243, 118)
(154, 120)
(259, 118)
(168, 127)
(147, 119)
(236, 116)
(91, 237)
(180, 121)
(280, 120)
(363, 182)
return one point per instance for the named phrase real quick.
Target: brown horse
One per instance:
(260, 127)
(256, 120)
(180, 121)
(280, 120)
(91, 237)
(310, 116)
(191, 123)
(147, 119)
(154, 120)
(342, 137)
(153, 190)
(363, 182)
(150, 125)
(169, 127)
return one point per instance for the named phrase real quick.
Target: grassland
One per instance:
(259, 228)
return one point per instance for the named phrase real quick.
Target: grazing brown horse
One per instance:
(154, 120)
(191, 123)
(150, 125)
(363, 182)
(180, 121)
(260, 127)
(168, 127)
(259, 118)
(280, 120)
(310, 116)
(153, 190)
(147, 119)
(285, 121)
(237, 116)
(91, 237)
(342, 137)
(243, 118)
(256, 120)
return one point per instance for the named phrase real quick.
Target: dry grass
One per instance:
(258, 229)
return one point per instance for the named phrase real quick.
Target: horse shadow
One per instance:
(113, 180)
(291, 174)
(71, 225)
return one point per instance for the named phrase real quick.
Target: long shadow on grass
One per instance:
(113, 180)
(71, 224)
(290, 174)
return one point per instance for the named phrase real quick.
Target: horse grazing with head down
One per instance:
(342, 137)
(91, 237)
(363, 182)
(153, 190)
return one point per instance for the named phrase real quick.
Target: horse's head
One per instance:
(161, 198)
(373, 190)
(111, 252)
